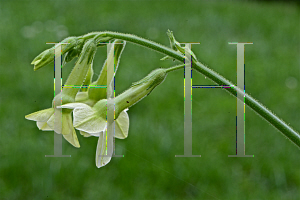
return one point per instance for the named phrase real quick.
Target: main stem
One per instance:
(220, 80)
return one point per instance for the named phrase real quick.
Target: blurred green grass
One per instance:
(149, 169)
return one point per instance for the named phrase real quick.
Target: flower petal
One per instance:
(86, 119)
(74, 105)
(50, 123)
(41, 116)
(92, 125)
(68, 131)
(122, 125)
(102, 157)
(85, 134)
(43, 126)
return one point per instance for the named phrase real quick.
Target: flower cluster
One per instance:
(89, 105)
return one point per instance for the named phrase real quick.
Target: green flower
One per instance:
(45, 122)
(92, 120)
(45, 118)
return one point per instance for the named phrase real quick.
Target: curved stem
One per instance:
(220, 80)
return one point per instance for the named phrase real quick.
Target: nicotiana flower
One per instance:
(45, 118)
(92, 120)
(95, 94)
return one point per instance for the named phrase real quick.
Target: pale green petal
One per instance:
(122, 125)
(74, 105)
(91, 124)
(85, 134)
(79, 107)
(43, 126)
(50, 123)
(101, 155)
(86, 119)
(68, 131)
(41, 116)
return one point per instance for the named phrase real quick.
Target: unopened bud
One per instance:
(139, 90)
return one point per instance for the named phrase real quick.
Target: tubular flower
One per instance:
(45, 118)
(92, 120)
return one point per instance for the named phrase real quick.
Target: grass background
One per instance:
(149, 169)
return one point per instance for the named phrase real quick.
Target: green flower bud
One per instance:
(43, 59)
(47, 56)
(139, 90)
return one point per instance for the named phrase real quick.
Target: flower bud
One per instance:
(47, 56)
(43, 58)
(139, 90)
